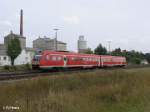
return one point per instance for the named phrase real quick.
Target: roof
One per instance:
(59, 42)
(50, 40)
(78, 54)
(15, 35)
(67, 53)
(29, 49)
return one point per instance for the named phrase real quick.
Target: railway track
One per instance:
(36, 73)
(18, 75)
(29, 74)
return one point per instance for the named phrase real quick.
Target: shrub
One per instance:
(6, 67)
(28, 66)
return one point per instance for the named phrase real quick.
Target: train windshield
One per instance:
(36, 57)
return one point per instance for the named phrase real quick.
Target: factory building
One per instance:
(4, 59)
(24, 57)
(49, 44)
(82, 44)
(10, 36)
(26, 54)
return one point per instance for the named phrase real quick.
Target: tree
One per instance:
(100, 50)
(89, 51)
(117, 52)
(13, 49)
(147, 57)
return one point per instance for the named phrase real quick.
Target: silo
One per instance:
(82, 44)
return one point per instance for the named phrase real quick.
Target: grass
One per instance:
(98, 91)
(16, 68)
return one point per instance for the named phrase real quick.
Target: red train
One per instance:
(49, 60)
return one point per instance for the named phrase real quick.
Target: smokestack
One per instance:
(21, 22)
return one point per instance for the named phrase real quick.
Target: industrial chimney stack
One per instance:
(21, 22)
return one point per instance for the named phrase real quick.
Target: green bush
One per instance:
(28, 66)
(16, 67)
(6, 67)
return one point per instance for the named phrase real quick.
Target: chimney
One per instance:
(21, 22)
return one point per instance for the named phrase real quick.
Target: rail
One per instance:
(35, 73)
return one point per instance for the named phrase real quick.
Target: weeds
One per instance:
(99, 91)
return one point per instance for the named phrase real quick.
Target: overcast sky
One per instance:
(126, 23)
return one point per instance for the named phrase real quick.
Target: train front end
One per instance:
(36, 62)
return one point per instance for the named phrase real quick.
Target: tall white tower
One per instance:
(82, 44)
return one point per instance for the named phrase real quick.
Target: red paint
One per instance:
(67, 59)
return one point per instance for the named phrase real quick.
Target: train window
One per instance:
(54, 58)
(104, 60)
(36, 57)
(4, 58)
(84, 59)
(90, 59)
(47, 57)
(93, 59)
(97, 59)
(72, 58)
(59, 58)
(75, 59)
(87, 59)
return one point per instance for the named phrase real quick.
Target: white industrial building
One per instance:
(49, 44)
(25, 57)
(26, 54)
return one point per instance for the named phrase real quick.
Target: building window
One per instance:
(5, 58)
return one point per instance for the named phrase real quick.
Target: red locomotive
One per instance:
(49, 60)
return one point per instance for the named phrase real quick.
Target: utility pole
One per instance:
(56, 38)
(109, 42)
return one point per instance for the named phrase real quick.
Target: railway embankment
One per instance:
(117, 90)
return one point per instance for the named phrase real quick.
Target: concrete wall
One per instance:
(49, 44)
(61, 47)
(4, 60)
(12, 36)
(24, 58)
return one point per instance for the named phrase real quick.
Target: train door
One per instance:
(99, 61)
(102, 61)
(65, 61)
